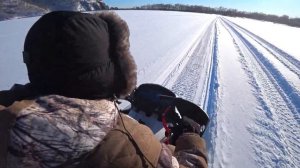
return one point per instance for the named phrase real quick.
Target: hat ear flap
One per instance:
(125, 67)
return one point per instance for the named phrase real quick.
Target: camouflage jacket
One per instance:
(56, 131)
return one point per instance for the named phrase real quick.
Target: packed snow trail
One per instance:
(288, 89)
(235, 106)
(288, 60)
(197, 79)
(278, 60)
(192, 82)
(276, 135)
(210, 75)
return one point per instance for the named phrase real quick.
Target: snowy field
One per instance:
(244, 73)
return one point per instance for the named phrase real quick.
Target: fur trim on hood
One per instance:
(119, 38)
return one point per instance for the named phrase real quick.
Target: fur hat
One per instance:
(80, 55)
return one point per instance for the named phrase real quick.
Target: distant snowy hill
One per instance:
(24, 8)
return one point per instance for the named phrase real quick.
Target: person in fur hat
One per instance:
(78, 64)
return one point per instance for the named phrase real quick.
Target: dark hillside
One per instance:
(26, 8)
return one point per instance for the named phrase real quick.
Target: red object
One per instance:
(165, 125)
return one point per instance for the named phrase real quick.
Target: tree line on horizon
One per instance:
(284, 19)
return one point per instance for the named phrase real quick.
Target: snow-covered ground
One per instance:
(244, 73)
(283, 36)
(12, 36)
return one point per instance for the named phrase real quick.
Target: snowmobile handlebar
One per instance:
(156, 99)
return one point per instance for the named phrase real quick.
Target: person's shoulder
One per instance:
(5, 98)
(17, 93)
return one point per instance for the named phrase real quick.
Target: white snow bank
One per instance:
(159, 37)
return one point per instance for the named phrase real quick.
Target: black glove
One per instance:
(189, 125)
(186, 125)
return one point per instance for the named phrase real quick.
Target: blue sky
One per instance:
(278, 7)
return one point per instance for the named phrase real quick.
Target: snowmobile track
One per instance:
(198, 81)
(280, 128)
(187, 85)
(287, 91)
(288, 60)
